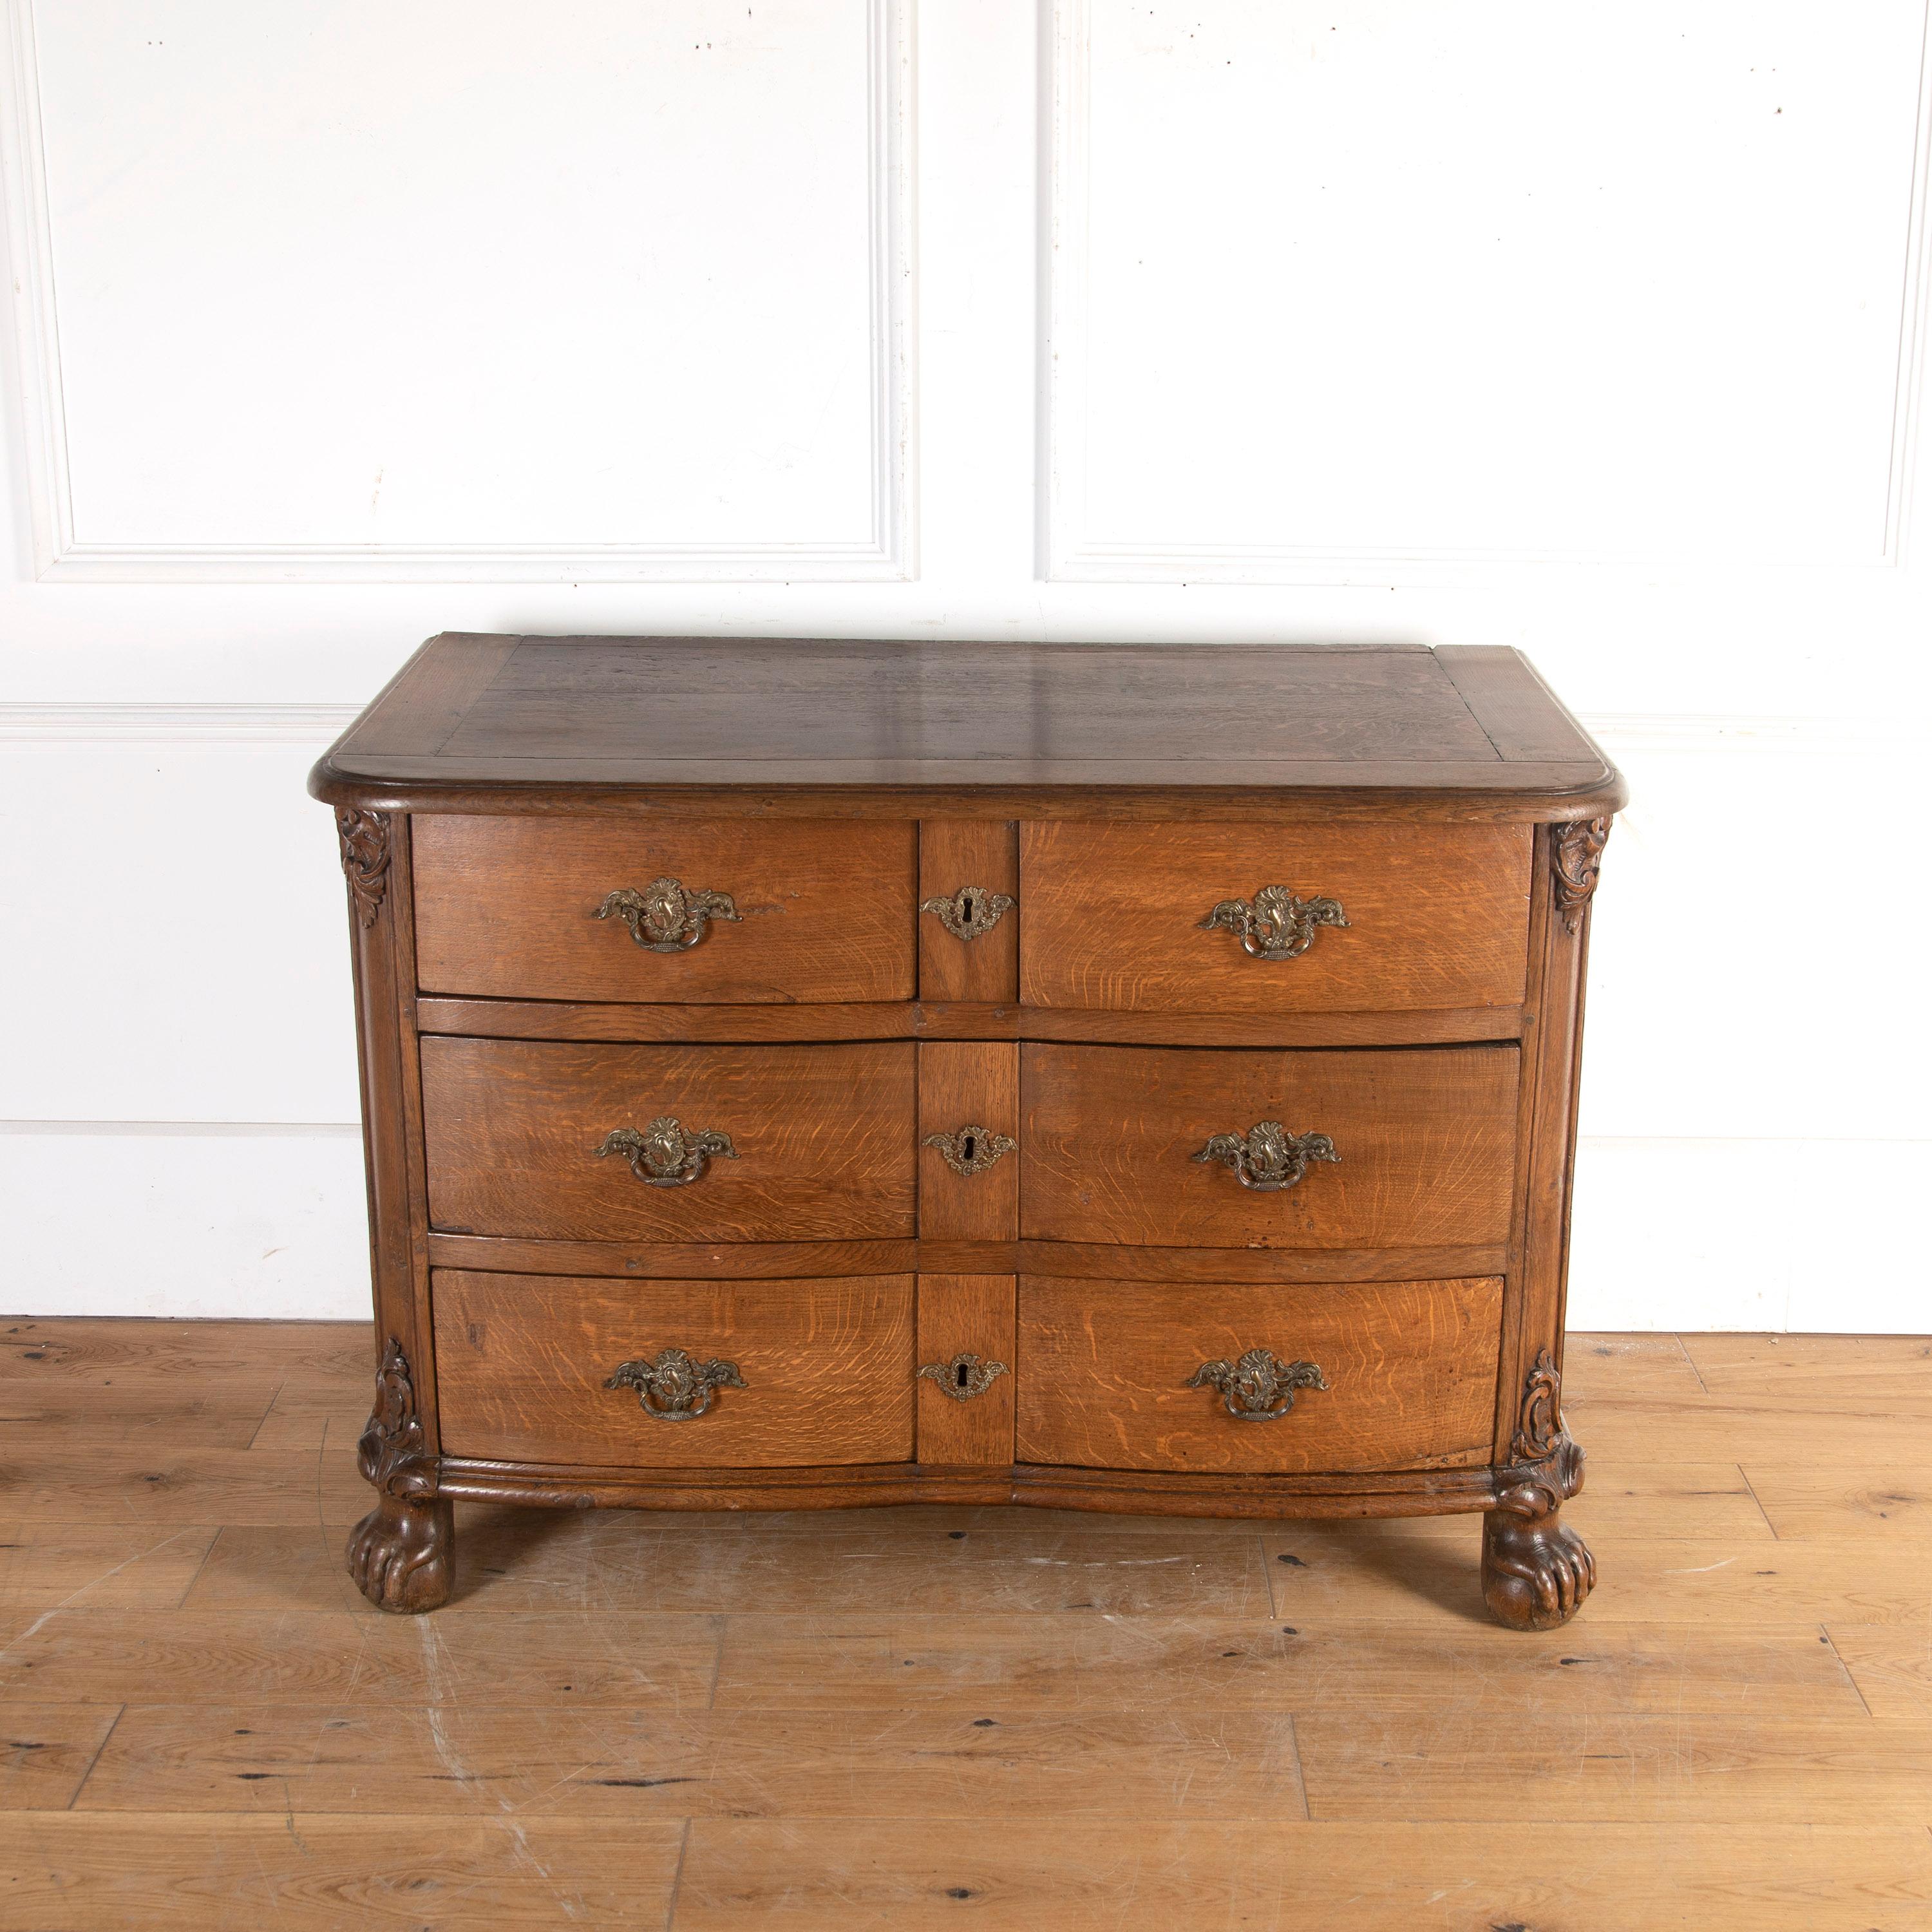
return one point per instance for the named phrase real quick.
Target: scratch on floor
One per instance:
(47, 1617)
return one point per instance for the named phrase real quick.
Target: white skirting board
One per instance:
(1668, 1234)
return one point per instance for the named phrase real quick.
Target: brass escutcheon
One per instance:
(1278, 925)
(971, 1150)
(965, 1376)
(665, 917)
(970, 911)
(1260, 1387)
(1268, 1158)
(663, 1155)
(671, 1387)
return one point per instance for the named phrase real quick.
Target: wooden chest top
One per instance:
(818, 728)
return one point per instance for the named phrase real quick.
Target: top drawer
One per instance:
(1113, 917)
(509, 908)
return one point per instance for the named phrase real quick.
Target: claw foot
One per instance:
(402, 1555)
(1537, 1570)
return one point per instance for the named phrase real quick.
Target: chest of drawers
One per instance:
(808, 1074)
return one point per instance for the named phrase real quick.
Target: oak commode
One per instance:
(805, 1074)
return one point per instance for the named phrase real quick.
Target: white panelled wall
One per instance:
(1595, 331)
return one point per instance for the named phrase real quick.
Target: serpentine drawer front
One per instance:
(1387, 1149)
(771, 1372)
(603, 909)
(1244, 918)
(553, 1142)
(1396, 1375)
(808, 1074)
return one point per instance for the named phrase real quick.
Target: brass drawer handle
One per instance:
(663, 1155)
(971, 1150)
(970, 911)
(1260, 1387)
(1268, 1158)
(671, 1387)
(965, 1376)
(665, 917)
(1278, 925)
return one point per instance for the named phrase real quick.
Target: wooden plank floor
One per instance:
(978, 1718)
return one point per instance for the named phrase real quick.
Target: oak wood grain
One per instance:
(599, 1563)
(1474, 1875)
(57, 1563)
(1411, 1368)
(938, 1019)
(1890, 1502)
(1437, 917)
(827, 1366)
(1742, 1581)
(1747, 1769)
(1426, 1140)
(643, 1261)
(1891, 1667)
(966, 1314)
(830, 1661)
(996, 730)
(320, 1656)
(1762, 1704)
(47, 1752)
(824, 1136)
(322, 1872)
(507, 908)
(953, 853)
(961, 1084)
(639, 1762)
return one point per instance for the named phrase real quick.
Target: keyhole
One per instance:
(966, 909)
(960, 1371)
(966, 1149)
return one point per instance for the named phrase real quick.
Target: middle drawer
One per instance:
(1216, 1147)
(543, 1140)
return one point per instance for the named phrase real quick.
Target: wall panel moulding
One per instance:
(354, 307)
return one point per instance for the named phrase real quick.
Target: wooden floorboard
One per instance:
(889, 1718)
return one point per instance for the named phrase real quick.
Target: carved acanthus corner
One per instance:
(1539, 1421)
(393, 1452)
(1578, 855)
(365, 858)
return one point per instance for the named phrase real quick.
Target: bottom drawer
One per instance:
(523, 1363)
(1105, 1368)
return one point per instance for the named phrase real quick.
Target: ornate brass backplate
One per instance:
(970, 911)
(1260, 1387)
(665, 916)
(664, 1154)
(671, 1387)
(971, 1150)
(1268, 1158)
(965, 1376)
(1278, 925)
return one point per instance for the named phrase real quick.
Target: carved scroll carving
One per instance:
(1577, 857)
(393, 1452)
(365, 858)
(1539, 1421)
